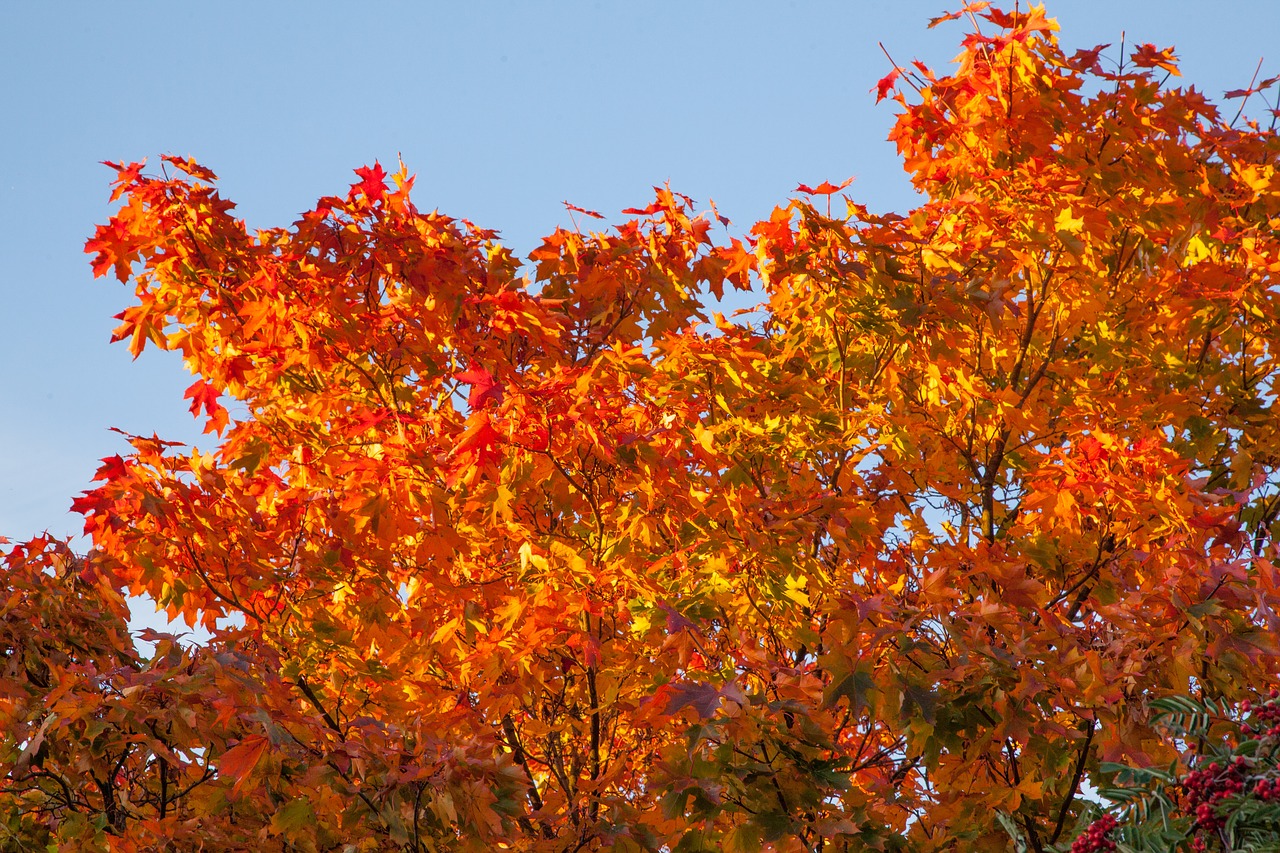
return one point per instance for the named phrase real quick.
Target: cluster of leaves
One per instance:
(572, 562)
(103, 744)
(1223, 796)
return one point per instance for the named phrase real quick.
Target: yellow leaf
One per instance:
(1197, 251)
(1068, 223)
(704, 437)
(795, 590)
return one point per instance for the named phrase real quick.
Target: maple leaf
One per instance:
(652, 208)
(112, 468)
(1148, 56)
(924, 69)
(114, 245)
(239, 762)
(824, 188)
(1253, 89)
(854, 686)
(703, 698)
(886, 83)
(739, 263)
(969, 8)
(372, 181)
(1019, 24)
(724, 220)
(484, 387)
(127, 175)
(89, 502)
(675, 621)
(1087, 60)
(204, 395)
(583, 210)
(1068, 223)
(32, 747)
(190, 166)
(479, 447)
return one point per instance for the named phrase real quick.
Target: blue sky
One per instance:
(502, 109)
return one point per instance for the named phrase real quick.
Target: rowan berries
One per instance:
(1096, 839)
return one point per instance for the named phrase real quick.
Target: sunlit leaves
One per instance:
(559, 556)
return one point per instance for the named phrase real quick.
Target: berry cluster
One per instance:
(1209, 786)
(1220, 781)
(1267, 790)
(1266, 718)
(1096, 839)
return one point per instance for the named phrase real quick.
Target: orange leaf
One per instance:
(239, 761)
(191, 167)
(1148, 56)
(824, 188)
(951, 16)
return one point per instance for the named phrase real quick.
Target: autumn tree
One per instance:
(557, 557)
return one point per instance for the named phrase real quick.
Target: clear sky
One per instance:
(503, 109)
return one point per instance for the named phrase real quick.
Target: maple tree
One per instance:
(567, 560)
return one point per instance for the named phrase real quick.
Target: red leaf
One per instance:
(724, 220)
(191, 167)
(583, 210)
(1092, 450)
(88, 502)
(1244, 93)
(824, 188)
(126, 176)
(1207, 520)
(204, 395)
(483, 386)
(951, 16)
(479, 447)
(886, 84)
(654, 207)
(112, 468)
(371, 183)
(1087, 60)
(372, 419)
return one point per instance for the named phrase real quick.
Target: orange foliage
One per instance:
(575, 563)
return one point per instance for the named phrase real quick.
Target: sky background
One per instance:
(503, 109)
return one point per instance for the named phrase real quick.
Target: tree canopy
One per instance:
(555, 556)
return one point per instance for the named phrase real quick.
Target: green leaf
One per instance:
(920, 697)
(854, 686)
(774, 824)
(744, 838)
(293, 816)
